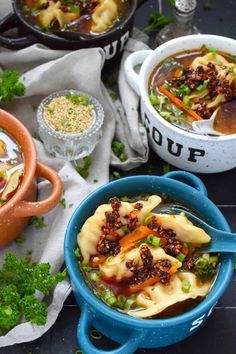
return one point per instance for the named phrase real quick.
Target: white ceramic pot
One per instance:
(188, 151)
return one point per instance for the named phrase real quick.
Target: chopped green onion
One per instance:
(153, 240)
(111, 300)
(94, 276)
(148, 219)
(180, 257)
(125, 229)
(163, 99)
(213, 259)
(186, 99)
(201, 262)
(166, 86)
(85, 267)
(154, 100)
(129, 302)
(94, 334)
(77, 253)
(116, 175)
(109, 258)
(125, 199)
(123, 157)
(165, 114)
(186, 285)
(166, 168)
(203, 86)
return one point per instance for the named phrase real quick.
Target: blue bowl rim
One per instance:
(88, 296)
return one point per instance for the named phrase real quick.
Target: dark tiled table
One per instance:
(218, 335)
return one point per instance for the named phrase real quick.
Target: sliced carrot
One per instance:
(129, 240)
(185, 250)
(148, 282)
(179, 103)
(197, 245)
(97, 260)
(177, 72)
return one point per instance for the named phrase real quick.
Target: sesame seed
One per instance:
(65, 116)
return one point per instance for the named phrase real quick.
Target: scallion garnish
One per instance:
(201, 262)
(153, 240)
(94, 334)
(154, 100)
(94, 276)
(180, 257)
(148, 219)
(186, 285)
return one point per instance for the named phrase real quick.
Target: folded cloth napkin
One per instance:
(43, 72)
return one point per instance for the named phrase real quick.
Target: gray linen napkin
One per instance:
(45, 71)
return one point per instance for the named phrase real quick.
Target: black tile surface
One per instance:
(218, 335)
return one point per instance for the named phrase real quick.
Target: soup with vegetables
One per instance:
(88, 16)
(192, 85)
(11, 167)
(144, 263)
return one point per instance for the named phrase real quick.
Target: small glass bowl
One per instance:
(67, 145)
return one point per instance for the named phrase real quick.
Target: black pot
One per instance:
(112, 41)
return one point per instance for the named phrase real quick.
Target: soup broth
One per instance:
(91, 16)
(142, 262)
(11, 167)
(192, 85)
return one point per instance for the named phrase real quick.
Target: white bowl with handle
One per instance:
(185, 150)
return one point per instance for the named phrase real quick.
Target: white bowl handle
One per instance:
(133, 60)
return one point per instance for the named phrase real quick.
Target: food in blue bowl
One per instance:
(141, 279)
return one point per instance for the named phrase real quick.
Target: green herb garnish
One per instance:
(10, 85)
(19, 282)
(75, 9)
(84, 170)
(157, 22)
(207, 6)
(117, 148)
(186, 285)
(62, 201)
(78, 99)
(116, 175)
(38, 222)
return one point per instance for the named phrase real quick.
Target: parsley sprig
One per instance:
(19, 280)
(10, 85)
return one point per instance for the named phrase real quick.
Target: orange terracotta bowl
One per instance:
(15, 214)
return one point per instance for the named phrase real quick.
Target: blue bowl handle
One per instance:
(189, 179)
(85, 323)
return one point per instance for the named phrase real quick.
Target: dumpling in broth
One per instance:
(91, 231)
(184, 229)
(104, 15)
(155, 299)
(116, 267)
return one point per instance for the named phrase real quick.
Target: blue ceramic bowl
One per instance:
(133, 333)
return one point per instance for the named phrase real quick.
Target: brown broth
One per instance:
(11, 163)
(82, 23)
(121, 288)
(165, 71)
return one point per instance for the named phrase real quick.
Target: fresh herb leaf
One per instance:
(117, 148)
(113, 95)
(19, 240)
(84, 170)
(10, 86)
(62, 201)
(166, 168)
(38, 222)
(207, 6)
(78, 99)
(116, 175)
(75, 9)
(157, 22)
(19, 281)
